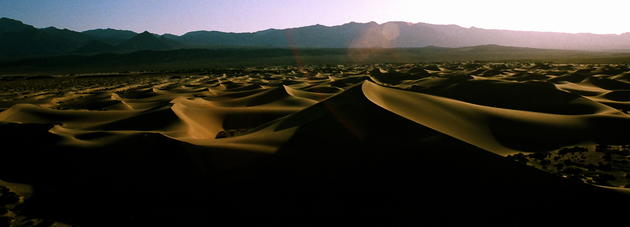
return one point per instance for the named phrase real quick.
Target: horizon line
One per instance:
(413, 23)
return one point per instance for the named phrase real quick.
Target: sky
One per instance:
(181, 16)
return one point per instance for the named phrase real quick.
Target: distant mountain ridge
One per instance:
(18, 40)
(148, 41)
(110, 36)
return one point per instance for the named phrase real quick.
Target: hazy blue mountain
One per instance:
(18, 40)
(95, 46)
(147, 41)
(169, 36)
(403, 34)
(21, 40)
(70, 37)
(111, 36)
(316, 36)
(10, 25)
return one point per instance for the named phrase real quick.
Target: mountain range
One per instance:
(19, 40)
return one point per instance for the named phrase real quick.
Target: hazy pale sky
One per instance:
(180, 16)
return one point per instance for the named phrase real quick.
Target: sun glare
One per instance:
(606, 16)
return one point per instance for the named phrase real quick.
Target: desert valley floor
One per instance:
(506, 144)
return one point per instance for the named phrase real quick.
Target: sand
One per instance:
(411, 144)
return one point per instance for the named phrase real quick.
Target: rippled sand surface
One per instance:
(532, 141)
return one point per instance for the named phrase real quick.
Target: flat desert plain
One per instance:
(506, 144)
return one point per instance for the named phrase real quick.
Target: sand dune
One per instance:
(499, 130)
(265, 141)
